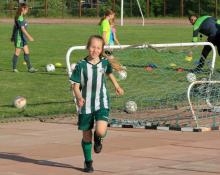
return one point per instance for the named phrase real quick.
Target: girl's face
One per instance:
(112, 16)
(25, 11)
(95, 48)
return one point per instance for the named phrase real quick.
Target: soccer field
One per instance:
(49, 93)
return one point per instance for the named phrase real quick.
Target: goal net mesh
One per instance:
(157, 81)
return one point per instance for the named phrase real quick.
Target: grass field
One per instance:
(49, 93)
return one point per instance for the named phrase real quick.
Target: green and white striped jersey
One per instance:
(92, 84)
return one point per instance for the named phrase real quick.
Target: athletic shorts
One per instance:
(86, 121)
(20, 43)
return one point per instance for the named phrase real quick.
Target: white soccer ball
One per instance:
(50, 68)
(130, 107)
(191, 77)
(122, 75)
(73, 66)
(20, 102)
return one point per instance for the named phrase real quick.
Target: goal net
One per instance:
(156, 78)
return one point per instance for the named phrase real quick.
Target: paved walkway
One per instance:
(35, 148)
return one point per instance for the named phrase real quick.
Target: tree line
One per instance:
(150, 8)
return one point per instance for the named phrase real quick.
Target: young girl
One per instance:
(105, 29)
(19, 37)
(113, 37)
(89, 87)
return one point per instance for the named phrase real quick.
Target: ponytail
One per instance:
(19, 11)
(107, 13)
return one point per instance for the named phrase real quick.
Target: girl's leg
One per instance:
(15, 59)
(99, 134)
(87, 145)
(101, 128)
(87, 150)
(26, 57)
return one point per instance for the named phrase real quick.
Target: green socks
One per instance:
(87, 150)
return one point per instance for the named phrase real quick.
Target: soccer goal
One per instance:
(122, 12)
(158, 85)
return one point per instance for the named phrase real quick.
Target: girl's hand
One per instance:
(80, 102)
(119, 91)
(31, 39)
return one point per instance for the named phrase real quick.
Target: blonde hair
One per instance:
(112, 21)
(108, 12)
(96, 37)
(112, 60)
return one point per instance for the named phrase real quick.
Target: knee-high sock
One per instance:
(14, 61)
(27, 60)
(87, 150)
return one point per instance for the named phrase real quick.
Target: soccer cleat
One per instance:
(15, 70)
(32, 70)
(97, 144)
(88, 168)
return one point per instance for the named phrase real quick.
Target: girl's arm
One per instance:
(116, 39)
(118, 89)
(104, 36)
(79, 98)
(27, 34)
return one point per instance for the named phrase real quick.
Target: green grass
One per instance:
(49, 93)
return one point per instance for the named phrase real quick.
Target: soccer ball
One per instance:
(122, 75)
(19, 102)
(50, 68)
(130, 107)
(73, 66)
(191, 77)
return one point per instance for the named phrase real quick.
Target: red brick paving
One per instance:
(35, 148)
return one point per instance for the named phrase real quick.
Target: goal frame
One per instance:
(167, 45)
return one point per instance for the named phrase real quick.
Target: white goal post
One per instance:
(168, 45)
(122, 12)
(74, 48)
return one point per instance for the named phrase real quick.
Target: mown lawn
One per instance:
(49, 93)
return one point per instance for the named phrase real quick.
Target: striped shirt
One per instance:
(91, 78)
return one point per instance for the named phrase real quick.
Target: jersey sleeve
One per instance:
(76, 75)
(195, 34)
(109, 68)
(105, 26)
(21, 22)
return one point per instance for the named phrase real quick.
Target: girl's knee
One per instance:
(101, 133)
